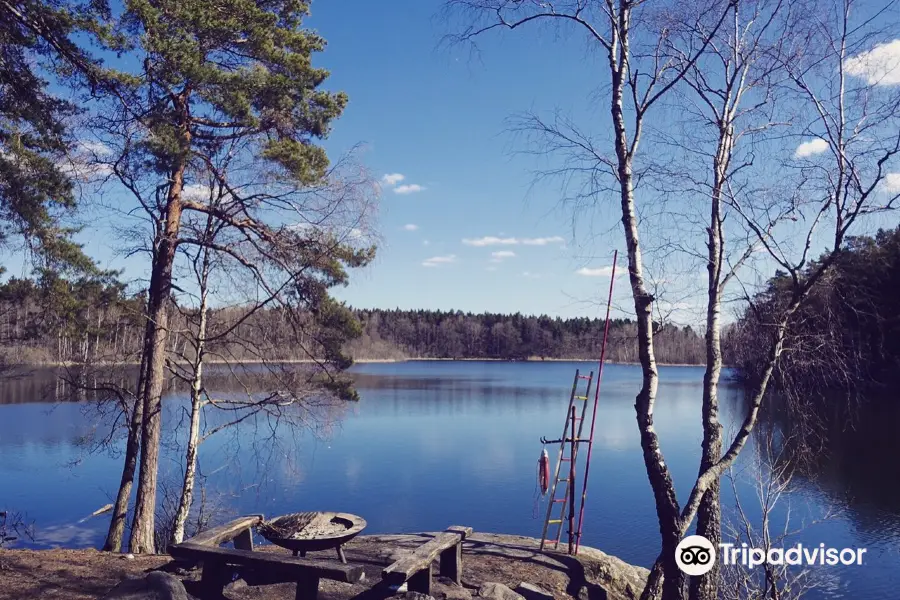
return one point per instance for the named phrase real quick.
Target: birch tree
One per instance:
(632, 36)
(201, 265)
(730, 99)
(846, 190)
(840, 177)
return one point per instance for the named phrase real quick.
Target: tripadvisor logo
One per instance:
(696, 555)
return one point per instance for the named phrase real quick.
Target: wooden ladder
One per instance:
(571, 438)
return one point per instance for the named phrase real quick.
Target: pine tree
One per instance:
(225, 98)
(36, 41)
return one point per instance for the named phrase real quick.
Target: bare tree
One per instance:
(291, 396)
(633, 36)
(836, 182)
(729, 99)
(771, 475)
(770, 214)
(201, 266)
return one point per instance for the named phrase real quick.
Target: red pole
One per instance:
(587, 466)
(572, 451)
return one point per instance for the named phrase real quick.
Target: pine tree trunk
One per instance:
(142, 529)
(132, 446)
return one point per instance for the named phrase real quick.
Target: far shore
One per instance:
(300, 361)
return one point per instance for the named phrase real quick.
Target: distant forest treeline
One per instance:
(846, 338)
(50, 320)
(454, 334)
(89, 320)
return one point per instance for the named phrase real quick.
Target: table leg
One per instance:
(340, 553)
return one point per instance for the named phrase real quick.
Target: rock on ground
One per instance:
(443, 588)
(529, 591)
(497, 591)
(154, 586)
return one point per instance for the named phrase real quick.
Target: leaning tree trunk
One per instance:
(190, 467)
(132, 446)
(142, 529)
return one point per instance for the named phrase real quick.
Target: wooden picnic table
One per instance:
(222, 565)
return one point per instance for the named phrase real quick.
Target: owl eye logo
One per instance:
(695, 555)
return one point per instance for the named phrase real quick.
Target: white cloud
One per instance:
(816, 146)
(490, 240)
(393, 178)
(543, 241)
(410, 227)
(878, 66)
(88, 161)
(436, 261)
(426, 243)
(196, 191)
(411, 188)
(892, 183)
(84, 170)
(598, 272)
(98, 148)
(530, 275)
(497, 257)
(302, 226)
(491, 268)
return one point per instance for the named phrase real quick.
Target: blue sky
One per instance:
(437, 116)
(460, 224)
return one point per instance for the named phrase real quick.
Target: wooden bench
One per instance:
(415, 568)
(220, 565)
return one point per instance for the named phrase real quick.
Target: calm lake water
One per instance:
(429, 445)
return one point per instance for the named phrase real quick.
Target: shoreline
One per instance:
(361, 361)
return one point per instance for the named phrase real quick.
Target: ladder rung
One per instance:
(561, 480)
(559, 500)
(581, 397)
(554, 521)
(565, 459)
(584, 377)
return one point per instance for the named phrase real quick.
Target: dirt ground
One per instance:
(89, 574)
(69, 574)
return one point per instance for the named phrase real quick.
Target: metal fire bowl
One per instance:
(312, 531)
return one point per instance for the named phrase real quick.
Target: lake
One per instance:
(432, 444)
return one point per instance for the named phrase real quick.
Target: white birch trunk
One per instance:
(190, 467)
